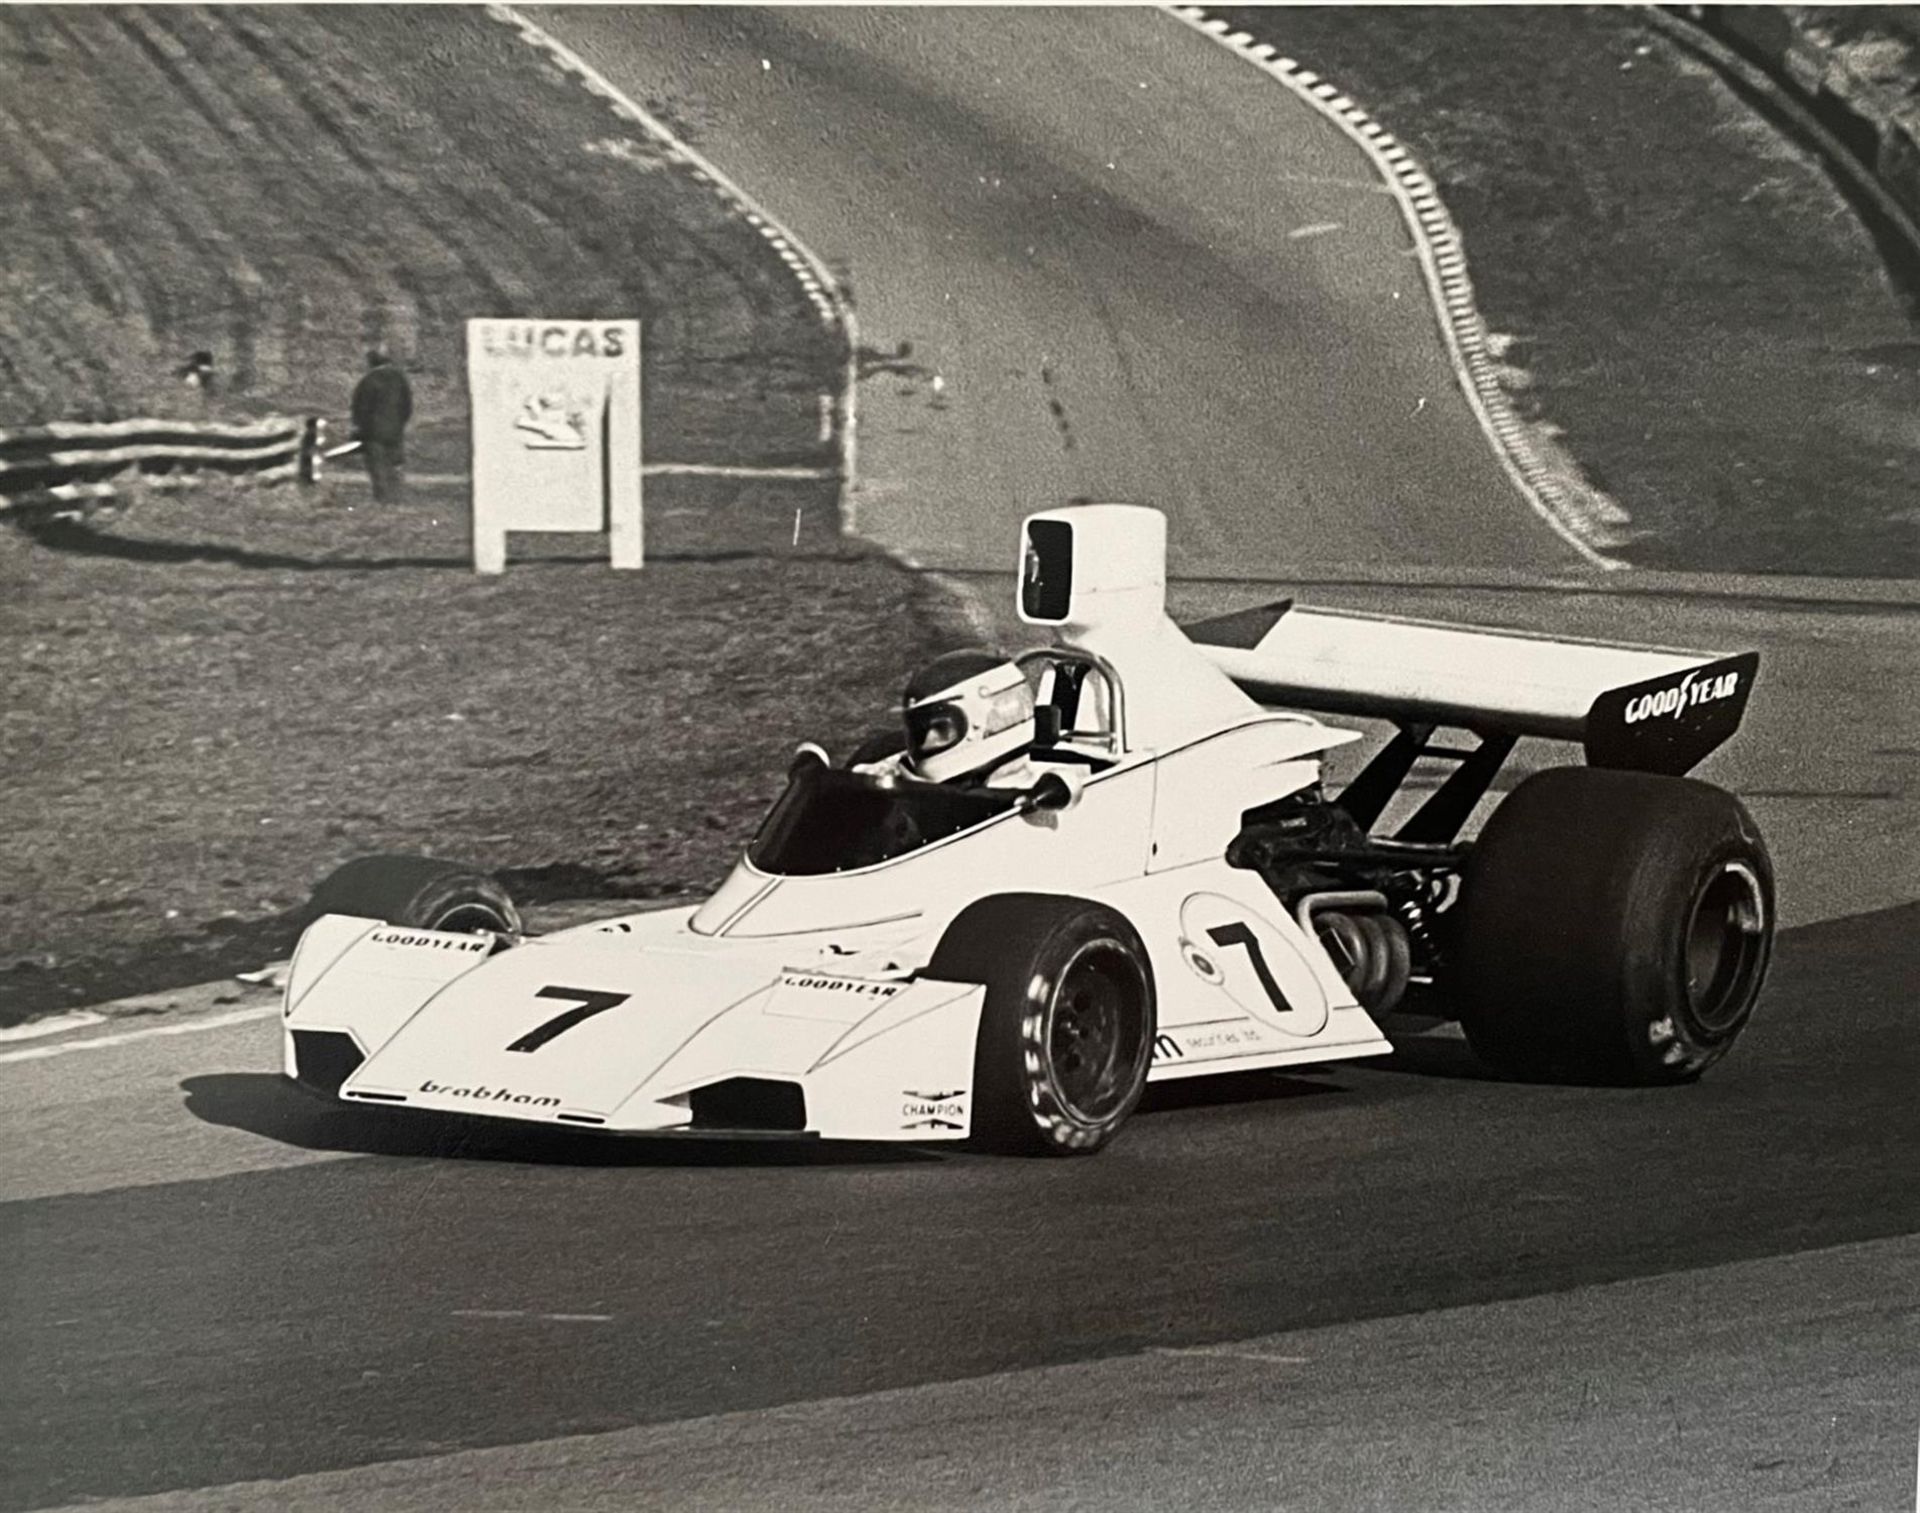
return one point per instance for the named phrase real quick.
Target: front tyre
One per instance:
(419, 892)
(1066, 1032)
(1613, 927)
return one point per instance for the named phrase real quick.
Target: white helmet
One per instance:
(966, 711)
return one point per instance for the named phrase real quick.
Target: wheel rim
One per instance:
(1726, 946)
(471, 918)
(1096, 1031)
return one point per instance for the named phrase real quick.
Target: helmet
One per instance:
(965, 711)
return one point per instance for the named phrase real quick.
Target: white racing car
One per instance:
(1162, 889)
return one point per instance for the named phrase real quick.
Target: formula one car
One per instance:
(1174, 894)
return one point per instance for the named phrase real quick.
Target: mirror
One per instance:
(1046, 577)
(1051, 794)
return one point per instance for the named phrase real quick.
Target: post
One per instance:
(625, 531)
(313, 438)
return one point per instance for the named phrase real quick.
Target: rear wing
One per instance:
(1651, 709)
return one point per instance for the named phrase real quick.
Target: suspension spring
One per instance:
(1419, 910)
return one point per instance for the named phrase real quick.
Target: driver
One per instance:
(969, 715)
(969, 718)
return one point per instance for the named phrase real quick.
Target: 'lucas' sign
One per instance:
(556, 433)
(555, 338)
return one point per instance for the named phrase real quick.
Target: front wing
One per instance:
(652, 1043)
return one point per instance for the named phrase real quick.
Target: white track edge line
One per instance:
(58, 1024)
(649, 469)
(820, 285)
(728, 470)
(149, 1032)
(831, 302)
(1456, 311)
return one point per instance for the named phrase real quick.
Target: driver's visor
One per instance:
(933, 728)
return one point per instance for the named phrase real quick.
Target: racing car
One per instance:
(1169, 890)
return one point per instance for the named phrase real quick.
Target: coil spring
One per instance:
(1418, 909)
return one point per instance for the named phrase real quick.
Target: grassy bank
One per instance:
(214, 697)
(1690, 299)
(286, 186)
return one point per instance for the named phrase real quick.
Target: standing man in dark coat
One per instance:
(382, 406)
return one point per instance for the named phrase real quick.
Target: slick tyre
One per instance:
(419, 892)
(1613, 927)
(1066, 1033)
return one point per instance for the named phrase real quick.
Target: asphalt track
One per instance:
(434, 1296)
(1393, 1286)
(1139, 268)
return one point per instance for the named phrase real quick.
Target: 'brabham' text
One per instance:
(489, 1094)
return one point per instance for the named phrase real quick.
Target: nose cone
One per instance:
(550, 1029)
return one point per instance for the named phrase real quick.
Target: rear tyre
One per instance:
(1066, 1033)
(419, 892)
(1613, 927)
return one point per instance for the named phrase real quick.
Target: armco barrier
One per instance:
(69, 461)
(1866, 122)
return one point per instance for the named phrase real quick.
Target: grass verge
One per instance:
(1689, 298)
(218, 699)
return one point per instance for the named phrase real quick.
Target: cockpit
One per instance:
(838, 818)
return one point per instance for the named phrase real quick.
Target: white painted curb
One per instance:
(1443, 260)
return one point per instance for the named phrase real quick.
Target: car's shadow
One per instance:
(1226, 1088)
(1418, 1051)
(268, 1105)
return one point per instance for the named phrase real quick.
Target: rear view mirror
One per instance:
(1046, 572)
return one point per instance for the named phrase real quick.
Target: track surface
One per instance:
(263, 1324)
(1420, 1278)
(1056, 210)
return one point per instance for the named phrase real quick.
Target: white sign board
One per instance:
(556, 432)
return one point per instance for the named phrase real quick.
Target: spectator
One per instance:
(197, 374)
(382, 406)
(197, 371)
